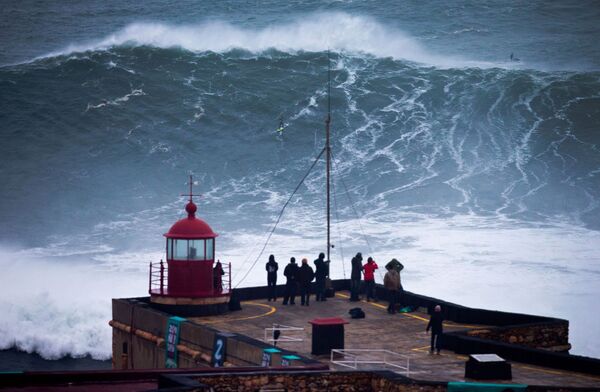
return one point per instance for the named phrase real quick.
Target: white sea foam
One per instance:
(56, 308)
(136, 92)
(313, 33)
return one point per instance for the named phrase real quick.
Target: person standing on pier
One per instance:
(369, 271)
(321, 276)
(305, 276)
(218, 277)
(272, 268)
(391, 282)
(291, 274)
(355, 277)
(437, 328)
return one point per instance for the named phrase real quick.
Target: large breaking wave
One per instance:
(313, 33)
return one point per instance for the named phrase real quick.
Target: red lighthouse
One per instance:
(191, 283)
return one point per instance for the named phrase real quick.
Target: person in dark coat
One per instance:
(437, 328)
(272, 268)
(320, 276)
(355, 277)
(291, 274)
(218, 277)
(305, 276)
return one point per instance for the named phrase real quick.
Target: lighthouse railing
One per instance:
(227, 279)
(158, 274)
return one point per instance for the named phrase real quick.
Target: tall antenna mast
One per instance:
(328, 152)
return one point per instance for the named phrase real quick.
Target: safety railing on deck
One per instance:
(283, 333)
(159, 276)
(353, 358)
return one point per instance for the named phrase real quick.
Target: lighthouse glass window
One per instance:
(210, 249)
(169, 249)
(190, 249)
(196, 250)
(180, 249)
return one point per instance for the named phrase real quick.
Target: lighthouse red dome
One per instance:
(191, 227)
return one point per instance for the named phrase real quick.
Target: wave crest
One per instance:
(315, 33)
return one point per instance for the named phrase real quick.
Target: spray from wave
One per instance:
(60, 309)
(316, 33)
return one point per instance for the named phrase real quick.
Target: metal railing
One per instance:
(225, 280)
(283, 335)
(353, 358)
(159, 276)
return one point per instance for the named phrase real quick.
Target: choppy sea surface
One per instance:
(480, 173)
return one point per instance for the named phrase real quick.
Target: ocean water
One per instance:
(481, 174)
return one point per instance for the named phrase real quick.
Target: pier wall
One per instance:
(526, 330)
(318, 382)
(236, 379)
(359, 381)
(552, 335)
(139, 333)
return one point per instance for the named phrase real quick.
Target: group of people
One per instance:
(393, 285)
(298, 277)
(391, 281)
(302, 276)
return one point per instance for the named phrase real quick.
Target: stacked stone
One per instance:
(316, 382)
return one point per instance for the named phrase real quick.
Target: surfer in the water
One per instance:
(281, 126)
(513, 58)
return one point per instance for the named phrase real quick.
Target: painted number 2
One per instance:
(218, 352)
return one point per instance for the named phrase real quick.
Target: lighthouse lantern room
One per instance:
(191, 281)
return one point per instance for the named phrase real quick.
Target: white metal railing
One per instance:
(284, 333)
(353, 358)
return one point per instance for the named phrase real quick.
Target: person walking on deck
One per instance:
(291, 274)
(320, 276)
(305, 276)
(355, 277)
(272, 268)
(437, 328)
(391, 282)
(369, 271)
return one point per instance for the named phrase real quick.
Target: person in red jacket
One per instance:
(369, 272)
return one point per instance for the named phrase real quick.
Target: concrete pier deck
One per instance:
(403, 333)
